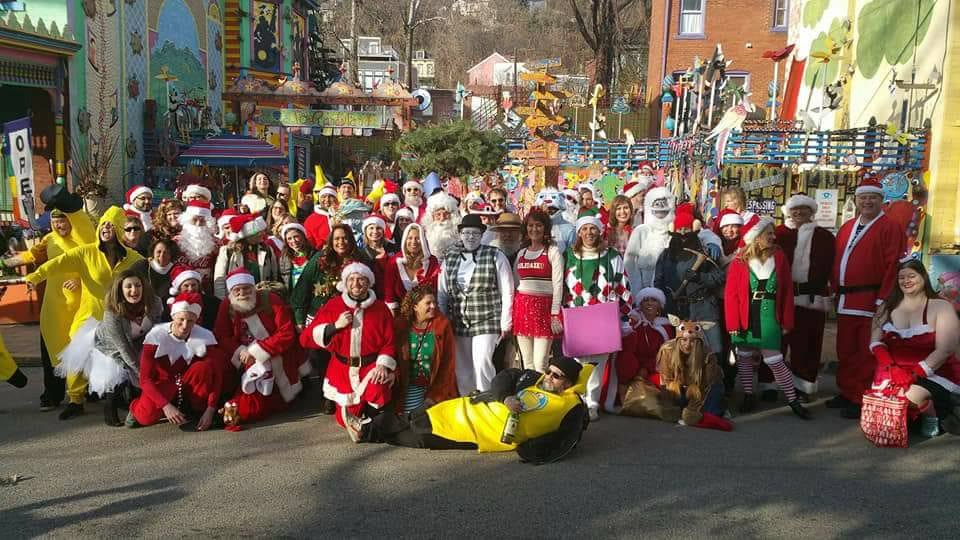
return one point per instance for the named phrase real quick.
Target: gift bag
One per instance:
(883, 418)
(591, 330)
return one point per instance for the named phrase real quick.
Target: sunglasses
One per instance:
(132, 229)
(497, 201)
(554, 375)
(391, 204)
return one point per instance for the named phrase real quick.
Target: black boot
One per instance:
(18, 379)
(110, 406)
(327, 406)
(798, 410)
(749, 403)
(71, 410)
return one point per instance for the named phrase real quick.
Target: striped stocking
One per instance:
(783, 376)
(745, 374)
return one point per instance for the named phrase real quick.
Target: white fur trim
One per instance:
(758, 228)
(326, 190)
(318, 332)
(197, 211)
(763, 270)
(805, 386)
(588, 187)
(240, 278)
(731, 219)
(651, 292)
(258, 352)
(181, 278)
(441, 200)
(290, 227)
(177, 307)
(868, 189)
(413, 183)
(356, 268)
(138, 191)
(801, 253)
(197, 189)
(386, 361)
(589, 220)
(845, 258)
(387, 197)
(171, 347)
(373, 220)
(875, 344)
(798, 200)
(635, 189)
(288, 391)
(926, 368)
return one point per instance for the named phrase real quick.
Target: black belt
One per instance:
(357, 361)
(807, 289)
(858, 288)
(757, 296)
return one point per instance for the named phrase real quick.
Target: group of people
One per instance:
(440, 323)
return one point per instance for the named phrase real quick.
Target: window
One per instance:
(739, 78)
(419, 54)
(780, 9)
(691, 17)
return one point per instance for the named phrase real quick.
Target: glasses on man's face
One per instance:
(131, 229)
(497, 201)
(554, 374)
(391, 204)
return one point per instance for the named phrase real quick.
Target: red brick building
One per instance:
(682, 29)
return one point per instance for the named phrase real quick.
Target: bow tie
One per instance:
(473, 255)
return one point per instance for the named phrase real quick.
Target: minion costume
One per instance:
(550, 424)
(96, 276)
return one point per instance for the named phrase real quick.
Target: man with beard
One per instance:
(552, 201)
(248, 250)
(476, 294)
(196, 192)
(198, 240)
(440, 222)
(506, 235)
(692, 293)
(257, 330)
(319, 222)
(413, 199)
(649, 240)
(140, 201)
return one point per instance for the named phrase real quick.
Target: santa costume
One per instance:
(196, 192)
(417, 205)
(186, 373)
(269, 334)
(319, 222)
(198, 243)
(809, 249)
(650, 239)
(397, 281)
(356, 351)
(130, 206)
(442, 236)
(864, 273)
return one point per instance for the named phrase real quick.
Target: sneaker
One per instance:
(71, 410)
(47, 406)
(929, 426)
(852, 412)
(594, 414)
(354, 427)
(838, 402)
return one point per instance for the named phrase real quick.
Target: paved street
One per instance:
(774, 476)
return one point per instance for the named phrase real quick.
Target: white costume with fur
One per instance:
(649, 240)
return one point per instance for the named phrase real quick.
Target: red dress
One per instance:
(640, 350)
(910, 346)
(397, 283)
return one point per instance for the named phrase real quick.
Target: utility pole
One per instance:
(354, 53)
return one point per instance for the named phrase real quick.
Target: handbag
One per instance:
(883, 416)
(591, 330)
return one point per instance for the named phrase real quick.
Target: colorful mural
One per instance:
(176, 47)
(266, 31)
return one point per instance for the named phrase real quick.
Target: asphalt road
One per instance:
(774, 476)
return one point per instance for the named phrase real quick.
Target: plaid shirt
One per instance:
(474, 311)
(608, 283)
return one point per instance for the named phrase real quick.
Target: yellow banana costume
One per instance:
(482, 423)
(8, 366)
(96, 275)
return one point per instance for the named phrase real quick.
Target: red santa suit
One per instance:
(202, 263)
(809, 249)
(864, 273)
(269, 334)
(355, 351)
(188, 373)
(317, 225)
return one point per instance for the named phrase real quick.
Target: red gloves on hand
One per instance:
(902, 377)
(882, 355)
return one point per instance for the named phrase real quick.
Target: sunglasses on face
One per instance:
(132, 229)
(496, 201)
(391, 204)
(554, 375)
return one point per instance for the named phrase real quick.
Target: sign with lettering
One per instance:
(318, 118)
(763, 207)
(21, 160)
(828, 207)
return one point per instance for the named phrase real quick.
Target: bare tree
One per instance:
(414, 17)
(603, 34)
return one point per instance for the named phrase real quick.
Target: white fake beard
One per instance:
(197, 242)
(442, 236)
(243, 306)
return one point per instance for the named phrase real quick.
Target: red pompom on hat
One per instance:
(306, 188)
(191, 302)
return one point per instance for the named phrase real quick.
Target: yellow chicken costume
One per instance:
(95, 274)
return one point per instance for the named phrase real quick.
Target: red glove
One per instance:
(901, 377)
(882, 355)
(919, 372)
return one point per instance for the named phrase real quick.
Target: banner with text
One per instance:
(318, 119)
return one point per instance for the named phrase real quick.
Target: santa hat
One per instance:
(306, 187)
(442, 200)
(355, 268)
(651, 292)
(405, 213)
(646, 168)
(869, 184)
(239, 276)
(226, 216)
(728, 216)
(178, 275)
(137, 191)
(373, 220)
(571, 195)
(684, 219)
(191, 302)
(753, 227)
(196, 190)
(246, 225)
(412, 184)
(480, 208)
(800, 199)
(130, 213)
(388, 198)
(632, 189)
(198, 208)
(327, 189)
(588, 187)
(589, 220)
(284, 229)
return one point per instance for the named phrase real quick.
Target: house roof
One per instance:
(495, 55)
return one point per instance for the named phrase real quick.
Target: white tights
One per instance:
(535, 352)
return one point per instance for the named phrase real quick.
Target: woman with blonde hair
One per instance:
(166, 219)
(758, 306)
(621, 223)
(426, 353)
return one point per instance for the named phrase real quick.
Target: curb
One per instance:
(28, 361)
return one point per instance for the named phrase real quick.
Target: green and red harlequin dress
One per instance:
(594, 280)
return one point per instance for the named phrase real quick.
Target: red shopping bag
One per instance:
(883, 416)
